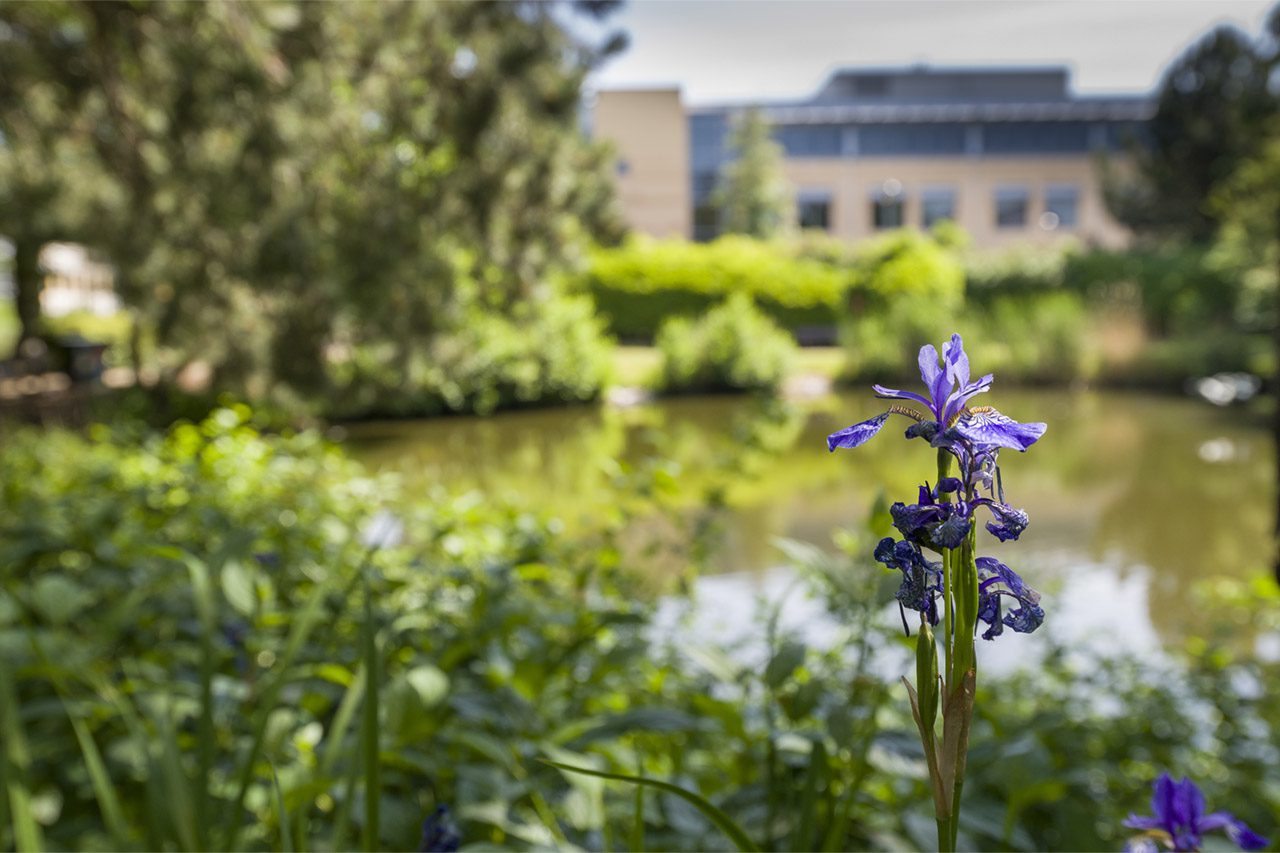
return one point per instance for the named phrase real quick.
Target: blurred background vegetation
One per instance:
(321, 216)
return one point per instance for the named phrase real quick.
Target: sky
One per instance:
(745, 50)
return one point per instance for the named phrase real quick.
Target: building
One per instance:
(1008, 153)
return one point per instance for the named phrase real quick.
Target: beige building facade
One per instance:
(1008, 154)
(649, 131)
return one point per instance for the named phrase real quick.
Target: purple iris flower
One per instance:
(1178, 812)
(945, 418)
(997, 581)
(440, 833)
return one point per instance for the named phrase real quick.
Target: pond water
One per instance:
(1133, 498)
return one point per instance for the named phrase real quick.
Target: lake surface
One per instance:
(1133, 498)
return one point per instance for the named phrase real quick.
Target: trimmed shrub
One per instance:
(735, 347)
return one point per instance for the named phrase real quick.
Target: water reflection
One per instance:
(1126, 492)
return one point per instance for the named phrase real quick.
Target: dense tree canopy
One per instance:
(1213, 107)
(285, 187)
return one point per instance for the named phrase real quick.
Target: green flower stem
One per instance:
(947, 820)
(963, 675)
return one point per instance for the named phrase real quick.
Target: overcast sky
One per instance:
(734, 50)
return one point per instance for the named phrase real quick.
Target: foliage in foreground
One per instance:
(186, 663)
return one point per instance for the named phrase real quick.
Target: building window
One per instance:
(623, 168)
(706, 222)
(1061, 206)
(887, 202)
(1011, 207)
(937, 204)
(814, 209)
(898, 140)
(809, 141)
(1040, 137)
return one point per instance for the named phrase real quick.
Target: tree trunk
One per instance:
(28, 280)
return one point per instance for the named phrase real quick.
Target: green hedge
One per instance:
(809, 282)
(640, 284)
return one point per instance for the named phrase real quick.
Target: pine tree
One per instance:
(753, 196)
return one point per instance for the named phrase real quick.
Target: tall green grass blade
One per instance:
(157, 809)
(178, 785)
(342, 820)
(637, 823)
(103, 791)
(369, 728)
(282, 815)
(721, 820)
(4, 785)
(202, 589)
(266, 703)
(26, 829)
(341, 723)
(802, 838)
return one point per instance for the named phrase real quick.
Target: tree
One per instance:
(1249, 205)
(752, 195)
(47, 175)
(1214, 105)
(289, 181)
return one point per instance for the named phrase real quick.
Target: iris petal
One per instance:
(1245, 838)
(957, 361)
(997, 430)
(895, 394)
(1188, 802)
(962, 395)
(1162, 796)
(950, 533)
(857, 434)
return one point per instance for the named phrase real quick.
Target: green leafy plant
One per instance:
(734, 347)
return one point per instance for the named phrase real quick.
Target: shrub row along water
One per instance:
(1154, 315)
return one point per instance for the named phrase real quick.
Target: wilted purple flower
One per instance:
(995, 580)
(1178, 818)
(921, 579)
(1008, 523)
(946, 418)
(930, 522)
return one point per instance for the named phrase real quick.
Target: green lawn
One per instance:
(820, 361)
